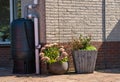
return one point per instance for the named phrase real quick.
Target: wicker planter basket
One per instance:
(84, 61)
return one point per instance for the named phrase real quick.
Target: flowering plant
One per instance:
(52, 53)
(83, 43)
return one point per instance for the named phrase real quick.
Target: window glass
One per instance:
(18, 8)
(4, 21)
(5, 18)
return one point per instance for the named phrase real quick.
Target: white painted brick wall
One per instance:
(68, 18)
(113, 20)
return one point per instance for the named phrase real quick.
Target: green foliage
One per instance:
(19, 8)
(65, 59)
(4, 20)
(4, 12)
(4, 32)
(85, 41)
(89, 48)
(76, 44)
(82, 43)
(52, 53)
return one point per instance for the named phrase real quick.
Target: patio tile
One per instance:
(110, 75)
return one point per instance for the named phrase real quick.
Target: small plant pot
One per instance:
(58, 68)
(84, 61)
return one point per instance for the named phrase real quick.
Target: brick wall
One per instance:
(5, 56)
(112, 20)
(100, 18)
(108, 56)
(39, 11)
(68, 18)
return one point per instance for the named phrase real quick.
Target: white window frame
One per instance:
(13, 15)
(13, 9)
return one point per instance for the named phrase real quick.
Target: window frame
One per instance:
(13, 9)
(13, 16)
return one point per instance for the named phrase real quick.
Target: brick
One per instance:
(73, 15)
(5, 56)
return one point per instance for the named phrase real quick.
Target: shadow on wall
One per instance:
(109, 51)
(113, 47)
(115, 33)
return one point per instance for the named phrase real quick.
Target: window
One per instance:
(9, 10)
(4, 21)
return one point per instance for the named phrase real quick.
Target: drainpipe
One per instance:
(35, 2)
(36, 34)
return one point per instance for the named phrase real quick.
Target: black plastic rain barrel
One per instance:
(23, 46)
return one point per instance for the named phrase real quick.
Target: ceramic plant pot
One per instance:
(58, 68)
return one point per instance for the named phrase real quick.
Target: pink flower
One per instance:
(42, 49)
(45, 59)
(51, 45)
(64, 54)
(41, 54)
(55, 44)
(47, 46)
(61, 50)
(59, 58)
(61, 46)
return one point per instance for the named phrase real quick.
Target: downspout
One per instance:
(36, 34)
(11, 11)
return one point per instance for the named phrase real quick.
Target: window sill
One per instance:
(5, 43)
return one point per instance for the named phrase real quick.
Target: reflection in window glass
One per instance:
(18, 8)
(4, 21)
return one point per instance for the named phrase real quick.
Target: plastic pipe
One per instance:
(37, 46)
(27, 8)
(35, 2)
(36, 34)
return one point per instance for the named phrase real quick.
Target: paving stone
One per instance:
(110, 75)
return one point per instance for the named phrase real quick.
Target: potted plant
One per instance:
(84, 54)
(56, 57)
